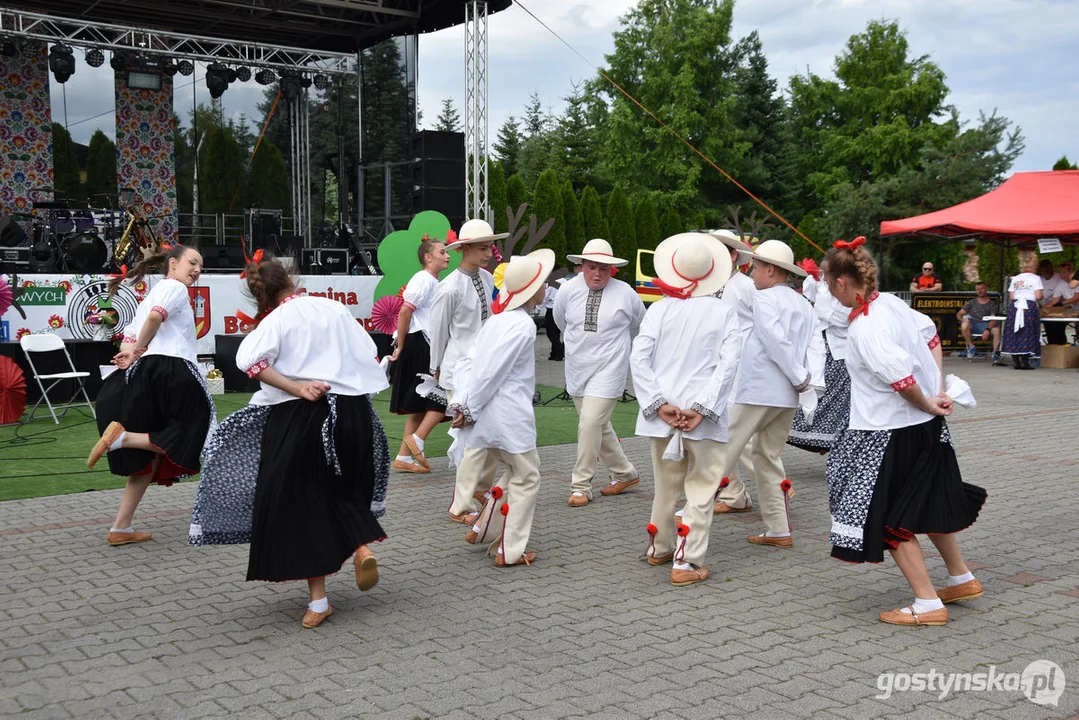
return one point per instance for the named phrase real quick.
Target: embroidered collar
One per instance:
(293, 296)
(473, 274)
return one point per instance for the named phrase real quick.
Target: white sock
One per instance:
(772, 534)
(923, 605)
(578, 494)
(419, 441)
(954, 580)
(682, 566)
(320, 606)
(680, 513)
(127, 529)
(405, 458)
(118, 442)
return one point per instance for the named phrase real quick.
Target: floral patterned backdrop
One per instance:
(25, 128)
(145, 153)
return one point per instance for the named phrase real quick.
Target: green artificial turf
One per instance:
(42, 458)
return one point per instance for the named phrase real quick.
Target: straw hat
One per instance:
(692, 262)
(599, 251)
(728, 238)
(525, 274)
(476, 231)
(773, 252)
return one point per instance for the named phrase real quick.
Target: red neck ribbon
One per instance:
(681, 293)
(861, 305)
(500, 304)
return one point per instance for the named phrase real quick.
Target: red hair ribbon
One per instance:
(256, 258)
(167, 247)
(852, 245)
(684, 292)
(861, 305)
(500, 304)
(123, 273)
(245, 318)
(810, 266)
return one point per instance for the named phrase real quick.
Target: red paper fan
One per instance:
(5, 296)
(12, 391)
(384, 313)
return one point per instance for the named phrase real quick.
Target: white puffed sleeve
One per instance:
(420, 291)
(169, 297)
(926, 328)
(888, 362)
(259, 350)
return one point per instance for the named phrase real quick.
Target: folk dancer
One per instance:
(493, 405)
(301, 472)
(773, 372)
(412, 358)
(599, 317)
(154, 411)
(893, 474)
(683, 362)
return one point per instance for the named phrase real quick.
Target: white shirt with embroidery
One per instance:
(598, 327)
(308, 338)
(686, 354)
(495, 384)
(175, 336)
(462, 305)
(774, 356)
(889, 348)
(419, 295)
(1024, 286)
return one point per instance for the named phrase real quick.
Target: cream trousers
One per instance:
(596, 439)
(698, 476)
(768, 427)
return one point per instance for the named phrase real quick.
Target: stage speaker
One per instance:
(11, 233)
(438, 145)
(261, 228)
(438, 174)
(222, 258)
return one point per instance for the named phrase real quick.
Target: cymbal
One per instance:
(53, 205)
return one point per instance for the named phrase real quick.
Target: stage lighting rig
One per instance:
(95, 58)
(185, 68)
(322, 82)
(293, 84)
(61, 63)
(118, 62)
(8, 48)
(265, 77)
(243, 74)
(217, 79)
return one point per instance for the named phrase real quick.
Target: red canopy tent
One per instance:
(1027, 206)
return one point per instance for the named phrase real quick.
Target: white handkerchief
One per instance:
(808, 402)
(385, 363)
(959, 391)
(456, 451)
(673, 450)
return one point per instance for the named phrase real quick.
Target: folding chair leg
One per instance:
(86, 396)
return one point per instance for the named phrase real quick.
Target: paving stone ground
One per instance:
(169, 631)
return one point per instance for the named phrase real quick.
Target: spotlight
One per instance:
(95, 58)
(8, 48)
(118, 62)
(185, 67)
(265, 77)
(322, 82)
(217, 80)
(291, 85)
(61, 62)
(305, 82)
(243, 74)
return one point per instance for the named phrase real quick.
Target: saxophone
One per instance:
(123, 252)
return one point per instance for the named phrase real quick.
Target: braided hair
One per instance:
(156, 263)
(266, 281)
(855, 263)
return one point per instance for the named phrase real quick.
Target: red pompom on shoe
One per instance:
(785, 486)
(505, 509)
(683, 530)
(724, 482)
(652, 529)
(496, 492)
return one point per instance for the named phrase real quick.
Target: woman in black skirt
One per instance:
(301, 472)
(893, 473)
(412, 357)
(154, 412)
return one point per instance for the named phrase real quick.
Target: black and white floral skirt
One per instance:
(303, 482)
(167, 398)
(886, 486)
(833, 411)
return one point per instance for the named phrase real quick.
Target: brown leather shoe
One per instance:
(472, 537)
(126, 538)
(763, 539)
(661, 559)
(466, 518)
(722, 507)
(898, 617)
(312, 619)
(576, 500)
(414, 448)
(528, 558)
(479, 497)
(967, 591)
(410, 467)
(366, 568)
(617, 488)
(102, 445)
(688, 577)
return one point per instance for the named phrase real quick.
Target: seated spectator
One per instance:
(1055, 291)
(928, 281)
(972, 318)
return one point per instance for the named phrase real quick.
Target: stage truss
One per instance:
(476, 110)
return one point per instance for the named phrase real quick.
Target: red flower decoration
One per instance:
(496, 492)
(683, 530)
(29, 283)
(785, 485)
(451, 237)
(724, 482)
(65, 285)
(21, 332)
(140, 286)
(652, 529)
(505, 509)
(56, 322)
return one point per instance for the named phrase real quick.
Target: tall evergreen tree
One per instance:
(101, 168)
(623, 230)
(535, 119)
(221, 173)
(66, 178)
(449, 120)
(516, 192)
(268, 180)
(571, 208)
(573, 151)
(1064, 164)
(497, 198)
(507, 145)
(595, 221)
(670, 224)
(547, 205)
(647, 223)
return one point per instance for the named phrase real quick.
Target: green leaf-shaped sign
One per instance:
(397, 253)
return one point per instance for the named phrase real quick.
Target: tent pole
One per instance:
(1003, 291)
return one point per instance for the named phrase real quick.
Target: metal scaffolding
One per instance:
(476, 110)
(299, 146)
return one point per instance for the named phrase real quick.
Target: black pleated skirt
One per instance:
(415, 358)
(307, 519)
(163, 396)
(919, 490)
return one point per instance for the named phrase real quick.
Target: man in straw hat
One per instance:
(684, 363)
(772, 372)
(461, 308)
(598, 317)
(493, 401)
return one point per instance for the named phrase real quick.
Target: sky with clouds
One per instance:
(1017, 57)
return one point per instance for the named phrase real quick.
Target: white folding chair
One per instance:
(51, 343)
